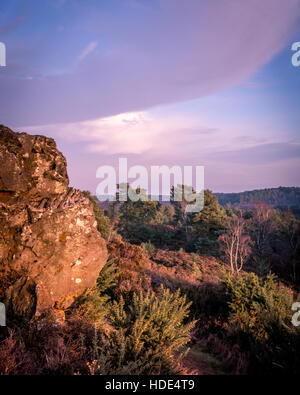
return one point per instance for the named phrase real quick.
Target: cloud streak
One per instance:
(87, 50)
(260, 154)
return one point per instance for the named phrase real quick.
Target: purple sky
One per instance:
(161, 82)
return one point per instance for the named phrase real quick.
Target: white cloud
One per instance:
(128, 133)
(142, 132)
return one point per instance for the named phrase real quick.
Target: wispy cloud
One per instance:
(260, 154)
(87, 50)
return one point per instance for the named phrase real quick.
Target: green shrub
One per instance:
(257, 306)
(146, 335)
(148, 247)
(94, 305)
(107, 278)
(259, 315)
(94, 302)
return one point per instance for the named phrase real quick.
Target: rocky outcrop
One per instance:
(50, 249)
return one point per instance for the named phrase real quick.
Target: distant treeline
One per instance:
(281, 197)
(277, 197)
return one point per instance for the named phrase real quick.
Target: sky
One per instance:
(160, 82)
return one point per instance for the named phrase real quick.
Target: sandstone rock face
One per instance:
(50, 249)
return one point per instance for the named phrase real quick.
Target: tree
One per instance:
(138, 212)
(212, 216)
(288, 235)
(136, 218)
(260, 228)
(235, 243)
(182, 218)
(113, 213)
(208, 225)
(165, 215)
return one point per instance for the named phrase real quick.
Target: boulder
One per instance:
(50, 249)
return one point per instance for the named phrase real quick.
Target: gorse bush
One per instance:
(107, 278)
(257, 306)
(93, 305)
(146, 334)
(94, 302)
(259, 314)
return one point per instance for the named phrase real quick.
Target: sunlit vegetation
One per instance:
(180, 293)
